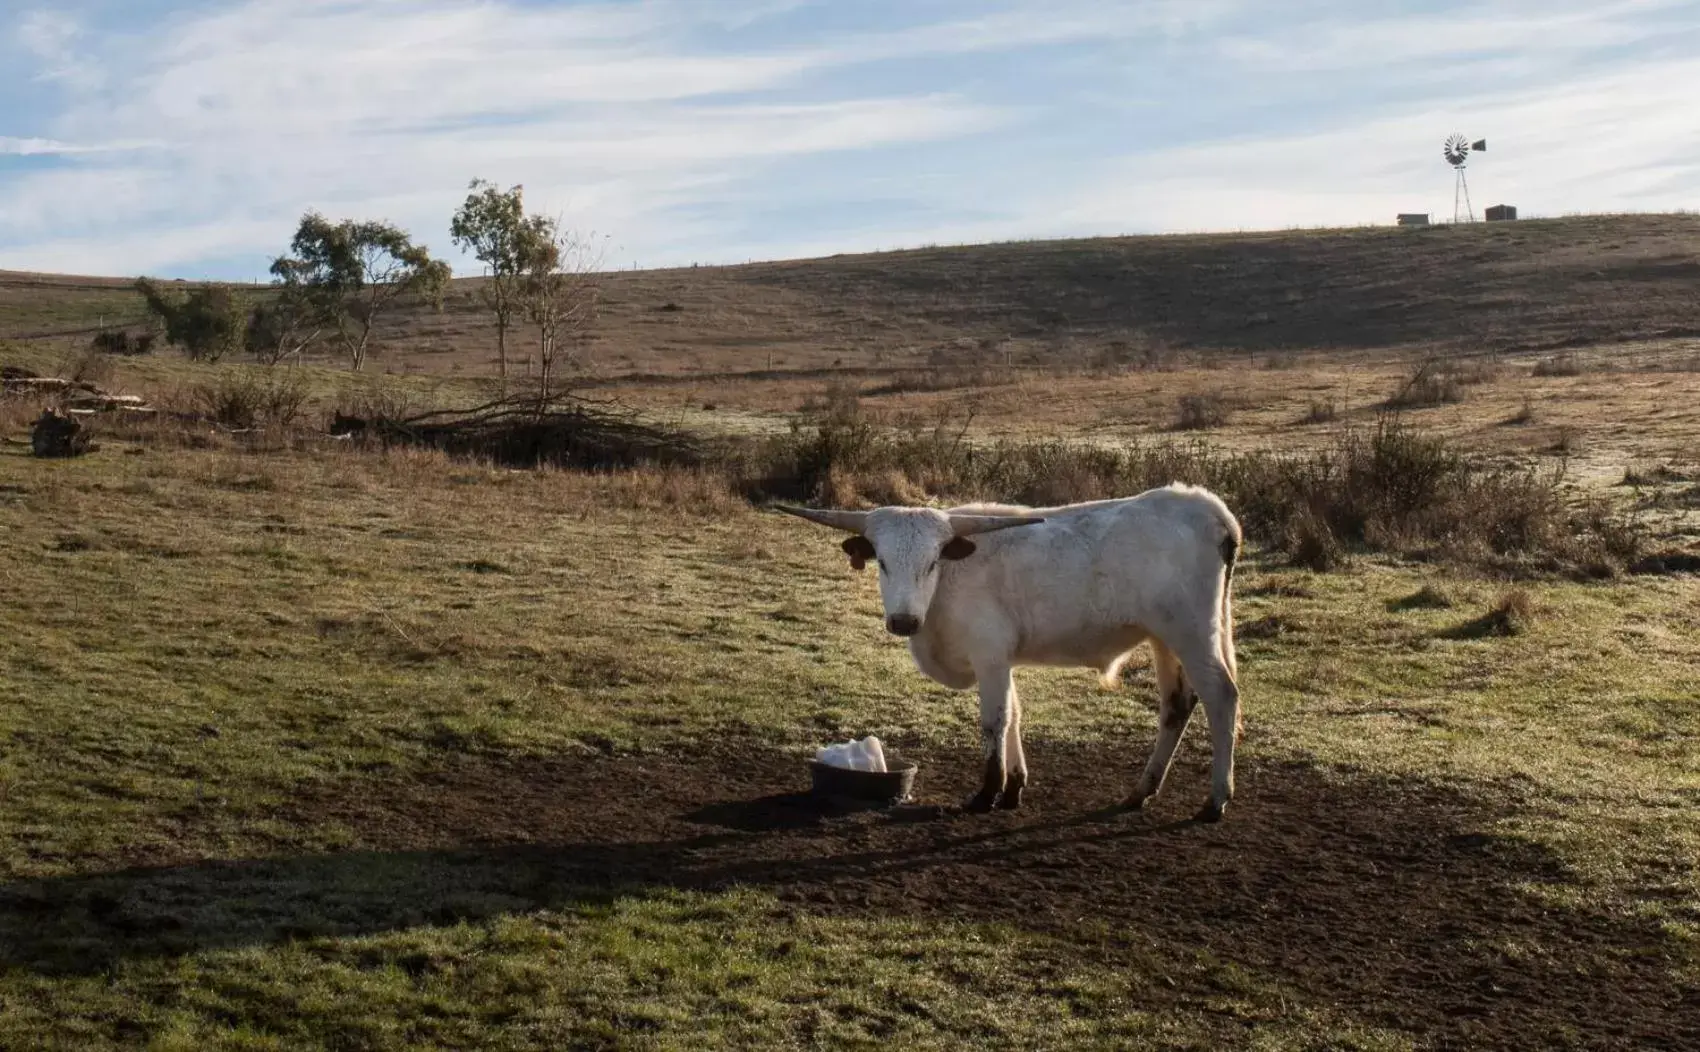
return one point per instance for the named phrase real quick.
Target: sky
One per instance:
(186, 138)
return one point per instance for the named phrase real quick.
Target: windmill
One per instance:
(1457, 152)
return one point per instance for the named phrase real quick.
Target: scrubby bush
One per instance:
(1431, 383)
(1321, 411)
(250, 399)
(1200, 412)
(122, 342)
(1390, 489)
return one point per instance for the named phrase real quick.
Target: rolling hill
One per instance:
(1529, 285)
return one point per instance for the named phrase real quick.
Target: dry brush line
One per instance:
(555, 429)
(1387, 490)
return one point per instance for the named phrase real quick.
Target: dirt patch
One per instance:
(1393, 900)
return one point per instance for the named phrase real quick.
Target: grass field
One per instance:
(309, 745)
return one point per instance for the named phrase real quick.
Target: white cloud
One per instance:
(265, 109)
(47, 34)
(50, 37)
(1550, 31)
(210, 136)
(16, 146)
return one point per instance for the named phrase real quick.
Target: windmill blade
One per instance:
(1480, 146)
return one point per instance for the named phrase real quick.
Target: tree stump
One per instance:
(59, 436)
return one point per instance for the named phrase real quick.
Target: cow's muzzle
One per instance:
(902, 624)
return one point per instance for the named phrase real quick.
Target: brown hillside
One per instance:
(1516, 286)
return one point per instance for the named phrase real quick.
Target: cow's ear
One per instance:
(958, 548)
(859, 549)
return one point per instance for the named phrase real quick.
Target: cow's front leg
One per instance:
(1015, 758)
(997, 697)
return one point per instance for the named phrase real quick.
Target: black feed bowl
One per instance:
(889, 786)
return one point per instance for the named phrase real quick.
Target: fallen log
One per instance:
(38, 385)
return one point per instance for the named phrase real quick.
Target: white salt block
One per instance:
(858, 756)
(875, 752)
(836, 755)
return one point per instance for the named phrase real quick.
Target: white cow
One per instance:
(1079, 585)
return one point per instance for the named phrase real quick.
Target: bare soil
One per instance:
(1395, 902)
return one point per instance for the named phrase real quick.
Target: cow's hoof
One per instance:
(1011, 799)
(1135, 802)
(980, 803)
(1210, 813)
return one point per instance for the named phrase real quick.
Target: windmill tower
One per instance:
(1457, 153)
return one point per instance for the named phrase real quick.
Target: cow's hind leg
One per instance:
(1214, 682)
(1175, 701)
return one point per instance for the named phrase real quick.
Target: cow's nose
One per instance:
(902, 624)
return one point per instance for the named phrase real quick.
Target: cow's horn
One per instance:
(848, 521)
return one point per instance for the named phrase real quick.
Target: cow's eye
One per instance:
(934, 565)
(882, 564)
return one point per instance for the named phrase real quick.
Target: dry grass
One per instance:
(207, 627)
(206, 638)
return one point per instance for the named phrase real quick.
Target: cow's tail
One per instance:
(1230, 549)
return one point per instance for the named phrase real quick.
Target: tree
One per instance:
(559, 294)
(208, 322)
(346, 275)
(492, 225)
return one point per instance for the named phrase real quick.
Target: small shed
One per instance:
(1501, 213)
(1413, 219)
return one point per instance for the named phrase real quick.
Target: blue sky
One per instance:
(186, 138)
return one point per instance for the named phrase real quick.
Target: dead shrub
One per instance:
(839, 398)
(18, 412)
(1431, 383)
(1566, 364)
(1202, 412)
(1474, 372)
(1653, 475)
(1118, 356)
(87, 366)
(1512, 615)
(377, 399)
(250, 400)
(122, 342)
(1311, 543)
(1321, 411)
(1525, 414)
